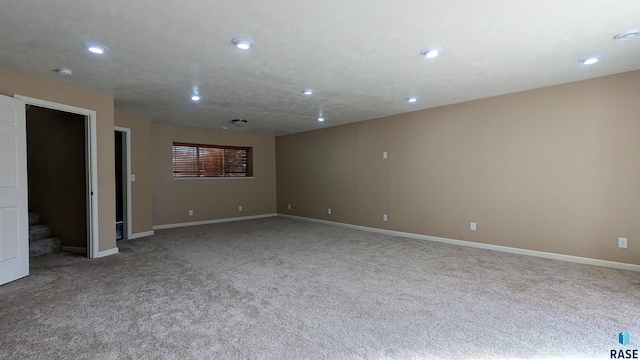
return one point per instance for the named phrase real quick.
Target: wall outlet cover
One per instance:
(622, 243)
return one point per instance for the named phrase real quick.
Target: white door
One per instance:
(14, 220)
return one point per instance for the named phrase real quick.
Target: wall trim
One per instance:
(140, 234)
(214, 221)
(215, 178)
(507, 249)
(74, 249)
(108, 252)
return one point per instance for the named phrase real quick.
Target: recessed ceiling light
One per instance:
(64, 71)
(412, 99)
(627, 35)
(225, 128)
(320, 118)
(589, 60)
(96, 48)
(307, 92)
(195, 97)
(242, 43)
(430, 53)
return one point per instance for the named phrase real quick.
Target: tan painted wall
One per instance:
(554, 169)
(19, 83)
(210, 198)
(57, 173)
(141, 194)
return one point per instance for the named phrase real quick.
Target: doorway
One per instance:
(90, 167)
(122, 146)
(57, 180)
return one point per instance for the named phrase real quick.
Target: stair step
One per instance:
(44, 246)
(38, 232)
(34, 218)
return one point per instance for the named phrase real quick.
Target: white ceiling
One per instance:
(362, 58)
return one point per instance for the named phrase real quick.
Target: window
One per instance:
(197, 160)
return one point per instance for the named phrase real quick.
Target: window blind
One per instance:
(200, 160)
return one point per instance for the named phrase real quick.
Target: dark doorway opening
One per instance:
(121, 184)
(58, 179)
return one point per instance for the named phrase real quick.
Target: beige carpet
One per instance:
(285, 289)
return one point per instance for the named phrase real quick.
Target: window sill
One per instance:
(216, 178)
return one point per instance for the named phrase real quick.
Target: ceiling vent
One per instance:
(239, 122)
(64, 71)
(627, 35)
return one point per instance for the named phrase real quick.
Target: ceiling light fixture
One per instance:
(242, 43)
(626, 35)
(307, 92)
(195, 93)
(64, 71)
(430, 53)
(321, 118)
(96, 48)
(412, 99)
(225, 128)
(239, 122)
(589, 60)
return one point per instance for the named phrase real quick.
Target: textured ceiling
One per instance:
(362, 58)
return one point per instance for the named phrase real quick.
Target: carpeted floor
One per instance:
(285, 289)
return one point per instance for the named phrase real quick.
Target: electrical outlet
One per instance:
(384, 155)
(289, 206)
(473, 226)
(190, 212)
(622, 243)
(329, 211)
(240, 208)
(384, 217)
(133, 177)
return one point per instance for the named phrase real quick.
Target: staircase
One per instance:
(40, 240)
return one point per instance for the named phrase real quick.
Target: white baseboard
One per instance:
(214, 221)
(74, 249)
(542, 254)
(140, 234)
(107, 252)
